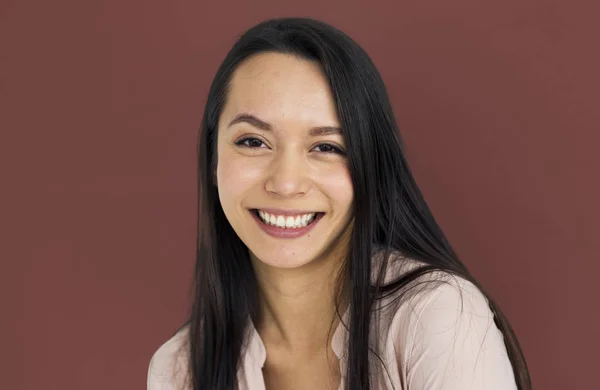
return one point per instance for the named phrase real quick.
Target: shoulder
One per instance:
(449, 304)
(430, 289)
(451, 296)
(446, 338)
(168, 366)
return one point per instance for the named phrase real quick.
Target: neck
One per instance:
(297, 306)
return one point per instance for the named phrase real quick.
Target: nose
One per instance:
(288, 176)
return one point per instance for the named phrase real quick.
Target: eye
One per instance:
(250, 142)
(329, 148)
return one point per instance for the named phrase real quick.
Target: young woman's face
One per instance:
(281, 158)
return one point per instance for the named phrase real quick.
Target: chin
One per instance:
(285, 258)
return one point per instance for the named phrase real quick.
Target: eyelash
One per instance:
(242, 142)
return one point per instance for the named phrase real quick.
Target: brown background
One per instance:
(100, 102)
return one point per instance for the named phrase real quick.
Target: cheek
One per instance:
(236, 175)
(338, 185)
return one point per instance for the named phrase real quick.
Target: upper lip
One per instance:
(274, 211)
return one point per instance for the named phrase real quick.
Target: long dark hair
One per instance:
(389, 211)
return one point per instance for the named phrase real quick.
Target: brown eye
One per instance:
(328, 148)
(250, 142)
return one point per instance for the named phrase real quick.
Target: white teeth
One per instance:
(288, 222)
(281, 221)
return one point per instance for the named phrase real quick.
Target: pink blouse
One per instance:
(440, 337)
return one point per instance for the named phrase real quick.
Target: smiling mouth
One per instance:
(287, 221)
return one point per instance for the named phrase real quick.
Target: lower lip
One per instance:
(278, 232)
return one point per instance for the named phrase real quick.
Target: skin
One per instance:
(288, 168)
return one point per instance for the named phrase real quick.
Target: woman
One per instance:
(319, 264)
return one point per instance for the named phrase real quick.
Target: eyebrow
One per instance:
(262, 125)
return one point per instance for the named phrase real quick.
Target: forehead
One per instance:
(279, 86)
